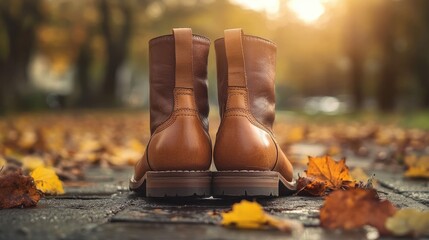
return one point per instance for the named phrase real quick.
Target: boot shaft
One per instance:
(260, 60)
(162, 75)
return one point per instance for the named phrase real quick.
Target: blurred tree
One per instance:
(420, 53)
(387, 84)
(20, 19)
(354, 48)
(116, 27)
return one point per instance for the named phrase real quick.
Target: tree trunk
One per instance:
(354, 52)
(20, 30)
(82, 75)
(386, 87)
(421, 54)
(116, 48)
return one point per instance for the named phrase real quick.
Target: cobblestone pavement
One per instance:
(103, 208)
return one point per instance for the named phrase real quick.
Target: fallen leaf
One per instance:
(2, 162)
(28, 139)
(355, 208)
(418, 167)
(250, 215)
(408, 222)
(334, 150)
(310, 186)
(47, 181)
(335, 174)
(359, 175)
(245, 215)
(17, 190)
(32, 162)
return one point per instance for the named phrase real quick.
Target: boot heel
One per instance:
(250, 184)
(174, 184)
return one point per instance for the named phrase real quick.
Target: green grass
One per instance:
(418, 119)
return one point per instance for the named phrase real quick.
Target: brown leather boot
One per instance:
(178, 154)
(248, 158)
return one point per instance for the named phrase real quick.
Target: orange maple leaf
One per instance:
(335, 174)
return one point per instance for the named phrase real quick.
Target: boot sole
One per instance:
(173, 184)
(251, 184)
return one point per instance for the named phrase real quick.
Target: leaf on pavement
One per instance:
(250, 215)
(362, 179)
(324, 174)
(32, 162)
(418, 167)
(310, 186)
(408, 222)
(355, 208)
(47, 181)
(2, 162)
(335, 174)
(17, 190)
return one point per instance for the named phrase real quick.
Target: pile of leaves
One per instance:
(349, 204)
(38, 152)
(68, 143)
(19, 190)
(388, 144)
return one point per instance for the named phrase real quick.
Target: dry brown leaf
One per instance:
(310, 187)
(355, 208)
(363, 180)
(17, 190)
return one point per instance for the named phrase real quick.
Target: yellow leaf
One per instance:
(295, 134)
(124, 156)
(409, 222)
(28, 139)
(2, 162)
(32, 162)
(245, 215)
(250, 215)
(136, 145)
(89, 145)
(417, 172)
(47, 181)
(418, 167)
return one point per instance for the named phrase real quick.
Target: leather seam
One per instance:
(243, 92)
(173, 119)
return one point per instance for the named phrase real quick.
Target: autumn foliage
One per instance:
(324, 174)
(17, 190)
(355, 208)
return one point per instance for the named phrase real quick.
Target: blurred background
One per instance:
(334, 56)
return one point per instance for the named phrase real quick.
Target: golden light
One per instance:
(271, 7)
(307, 10)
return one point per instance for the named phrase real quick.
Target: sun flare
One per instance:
(307, 10)
(269, 6)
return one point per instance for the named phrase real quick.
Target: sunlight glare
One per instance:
(307, 10)
(269, 6)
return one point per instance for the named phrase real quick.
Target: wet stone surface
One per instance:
(180, 231)
(103, 208)
(396, 182)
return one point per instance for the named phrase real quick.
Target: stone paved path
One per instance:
(103, 208)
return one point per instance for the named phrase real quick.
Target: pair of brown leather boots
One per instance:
(248, 159)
